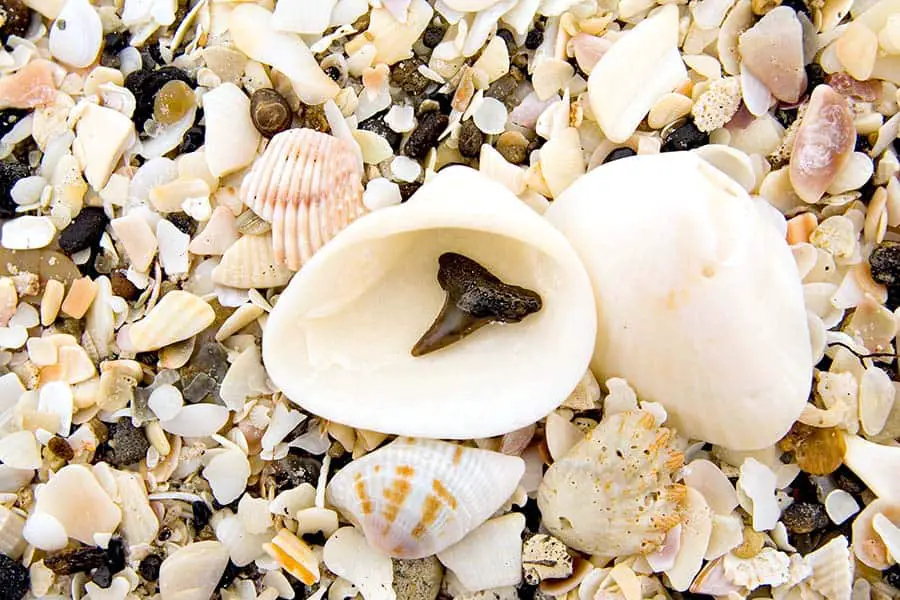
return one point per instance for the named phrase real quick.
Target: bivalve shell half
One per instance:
(414, 498)
(308, 185)
(178, 316)
(340, 341)
(250, 263)
(77, 34)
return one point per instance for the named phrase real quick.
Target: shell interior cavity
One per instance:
(414, 498)
(338, 341)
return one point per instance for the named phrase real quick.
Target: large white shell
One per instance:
(309, 186)
(192, 572)
(339, 339)
(699, 301)
(414, 498)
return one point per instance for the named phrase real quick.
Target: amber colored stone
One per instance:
(817, 450)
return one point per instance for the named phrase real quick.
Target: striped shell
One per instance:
(250, 263)
(414, 498)
(308, 185)
(612, 494)
(178, 316)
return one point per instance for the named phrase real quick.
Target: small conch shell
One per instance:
(178, 316)
(414, 498)
(250, 263)
(612, 493)
(339, 340)
(308, 185)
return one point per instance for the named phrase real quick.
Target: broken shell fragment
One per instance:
(868, 545)
(178, 316)
(250, 263)
(708, 242)
(414, 498)
(338, 340)
(773, 51)
(77, 34)
(308, 185)
(192, 572)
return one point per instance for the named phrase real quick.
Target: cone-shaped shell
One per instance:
(699, 301)
(250, 263)
(308, 185)
(414, 498)
(340, 337)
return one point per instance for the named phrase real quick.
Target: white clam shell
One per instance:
(699, 303)
(414, 498)
(338, 341)
(77, 34)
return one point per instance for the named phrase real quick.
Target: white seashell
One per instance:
(414, 498)
(197, 420)
(732, 162)
(246, 377)
(876, 400)
(875, 464)
(709, 480)
(101, 137)
(173, 248)
(868, 545)
(302, 18)
(757, 482)
(636, 504)
(289, 502)
(253, 30)
(12, 542)
(490, 116)
(250, 263)
(319, 353)
(635, 72)
(27, 233)
(227, 474)
(231, 138)
(832, 567)
(192, 572)
(218, 235)
(56, 398)
(314, 520)
(840, 506)
(140, 524)
(243, 546)
(77, 34)
(561, 435)
(562, 161)
(695, 534)
(45, 532)
(773, 51)
(381, 193)
(727, 534)
(178, 316)
(307, 184)
(645, 326)
(392, 39)
(165, 402)
(347, 555)
(20, 450)
(497, 543)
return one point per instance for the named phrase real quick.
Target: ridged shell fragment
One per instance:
(192, 572)
(250, 263)
(414, 498)
(178, 316)
(613, 493)
(308, 185)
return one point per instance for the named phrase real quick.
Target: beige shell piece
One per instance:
(339, 340)
(414, 498)
(308, 185)
(613, 494)
(192, 572)
(868, 545)
(178, 316)
(692, 278)
(832, 567)
(250, 263)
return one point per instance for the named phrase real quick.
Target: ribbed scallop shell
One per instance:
(308, 185)
(414, 498)
(250, 263)
(833, 569)
(178, 316)
(612, 494)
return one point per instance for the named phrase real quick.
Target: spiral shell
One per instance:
(612, 494)
(414, 498)
(308, 185)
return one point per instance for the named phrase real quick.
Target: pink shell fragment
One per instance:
(30, 86)
(867, 91)
(823, 145)
(773, 51)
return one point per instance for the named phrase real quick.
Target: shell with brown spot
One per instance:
(413, 498)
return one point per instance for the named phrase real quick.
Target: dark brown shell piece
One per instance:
(14, 19)
(475, 297)
(270, 112)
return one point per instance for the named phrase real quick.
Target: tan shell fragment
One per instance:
(308, 185)
(178, 316)
(773, 51)
(251, 263)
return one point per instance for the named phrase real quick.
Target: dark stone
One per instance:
(470, 139)
(201, 386)
(122, 287)
(10, 173)
(293, 469)
(201, 513)
(618, 154)
(532, 515)
(15, 18)
(407, 189)
(61, 448)
(425, 136)
(113, 43)
(376, 124)
(145, 84)
(149, 567)
(102, 576)
(192, 140)
(862, 144)
(503, 87)
(815, 75)
(891, 576)
(184, 222)
(314, 539)
(14, 579)
(406, 76)
(232, 572)
(80, 560)
(115, 555)
(847, 480)
(212, 360)
(885, 263)
(805, 517)
(84, 231)
(9, 118)
(786, 116)
(127, 444)
(432, 36)
(685, 137)
(334, 73)
(534, 39)
(444, 101)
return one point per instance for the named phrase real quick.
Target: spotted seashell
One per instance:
(414, 498)
(308, 185)
(612, 493)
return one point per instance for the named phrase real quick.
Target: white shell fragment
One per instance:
(250, 263)
(77, 34)
(192, 572)
(773, 51)
(101, 137)
(414, 498)
(637, 70)
(347, 555)
(757, 482)
(178, 316)
(875, 464)
(340, 337)
(497, 543)
(27, 233)
(710, 246)
(231, 139)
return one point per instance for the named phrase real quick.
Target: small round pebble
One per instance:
(470, 139)
(201, 513)
(84, 231)
(270, 112)
(192, 141)
(513, 146)
(432, 36)
(102, 577)
(685, 137)
(61, 448)
(115, 555)
(127, 444)
(172, 102)
(425, 136)
(149, 567)
(184, 222)
(846, 480)
(503, 87)
(534, 39)
(418, 579)
(14, 579)
(619, 153)
(804, 517)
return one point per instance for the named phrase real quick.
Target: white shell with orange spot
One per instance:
(414, 498)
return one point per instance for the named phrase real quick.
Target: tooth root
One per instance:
(451, 325)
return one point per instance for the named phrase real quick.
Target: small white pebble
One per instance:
(173, 248)
(166, 402)
(13, 337)
(840, 506)
(198, 209)
(28, 190)
(401, 119)
(405, 169)
(490, 117)
(381, 193)
(26, 316)
(27, 233)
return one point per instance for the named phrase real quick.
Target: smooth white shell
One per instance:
(339, 339)
(699, 302)
(77, 34)
(414, 498)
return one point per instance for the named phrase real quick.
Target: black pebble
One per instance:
(102, 576)
(885, 263)
(10, 173)
(534, 39)
(425, 136)
(184, 222)
(892, 576)
(127, 444)
(201, 513)
(314, 539)
(14, 580)
(377, 125)
(292, 470)
(80, 560)
(619, 153)
(532, 515)
(786, 116)
(507, 36)
(149, 567)
(862, 144)
(15, 17)
(192, 140)
(84, 231)
(815, 75)
(115, 555)
(445, 101)
(333, 72)
(9, 118)
(805, 517)
(686, 137)
(121, 286)
(847, 480)
(145, 84)
(113, 43)
(433, 36)
(407, 189)
(470, 139)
